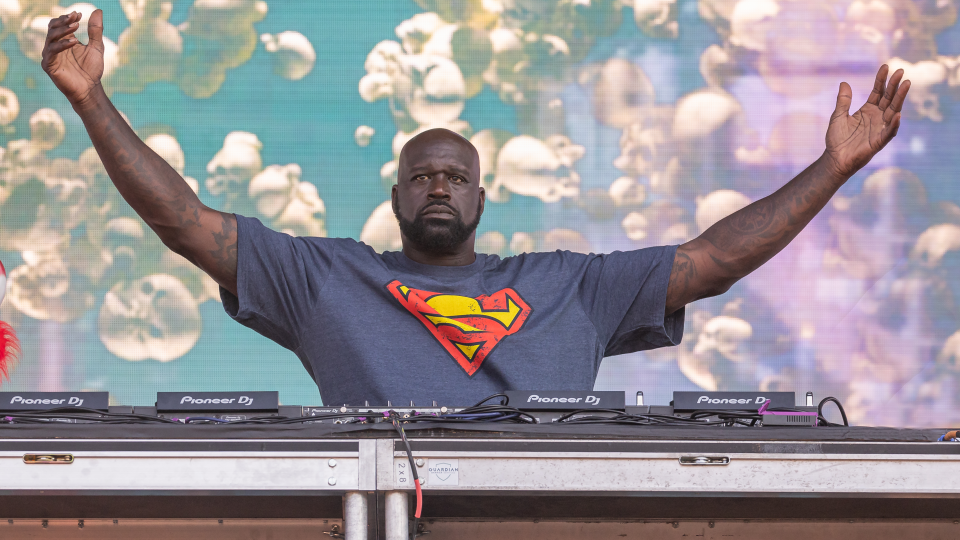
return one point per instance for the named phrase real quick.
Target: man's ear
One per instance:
(394, 201)
(483, 200)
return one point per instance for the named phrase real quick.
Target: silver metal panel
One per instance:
(385, 466)
(652, 473)
(761, 446)
(200, 471)
(368, 465)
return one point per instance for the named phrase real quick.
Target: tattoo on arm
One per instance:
(740, 243)
(683, 273)
(160, 196)
(225, 254)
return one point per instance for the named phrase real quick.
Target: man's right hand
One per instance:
(158, 194)
(76, 69)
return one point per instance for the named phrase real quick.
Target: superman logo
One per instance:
(468, 328)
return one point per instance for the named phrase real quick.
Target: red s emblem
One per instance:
(468, 328)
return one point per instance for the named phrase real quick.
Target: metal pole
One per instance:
(397, 508)
(355, 516)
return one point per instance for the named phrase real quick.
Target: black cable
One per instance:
(475, 414)
(80, 413)
(823, 420)
(589, 416)
(708, 418)
(302, 419)
(506, 399)
(479, 413)
(395, 420)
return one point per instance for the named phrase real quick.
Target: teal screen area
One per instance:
(602, 125)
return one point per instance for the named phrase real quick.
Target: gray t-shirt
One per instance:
(381, 327)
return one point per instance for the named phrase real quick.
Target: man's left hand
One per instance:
(852, 140)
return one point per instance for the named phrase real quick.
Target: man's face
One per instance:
(438, 199)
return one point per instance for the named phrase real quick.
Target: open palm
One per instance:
(852, 140)
(75, 69)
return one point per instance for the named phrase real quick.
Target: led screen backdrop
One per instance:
(601, 124)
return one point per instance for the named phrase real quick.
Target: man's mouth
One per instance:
(438, 211)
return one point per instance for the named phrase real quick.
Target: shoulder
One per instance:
(554, 257)
(253, 230)
(573, 261)
(648, 255)
(546, 260)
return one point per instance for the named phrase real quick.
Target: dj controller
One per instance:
(509, 465)
(732, 409)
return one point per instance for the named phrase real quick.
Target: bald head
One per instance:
(436, 138)
(438, 198)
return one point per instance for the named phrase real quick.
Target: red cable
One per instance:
(416, 480)
(419, 501)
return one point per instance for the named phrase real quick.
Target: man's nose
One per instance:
(439, 187)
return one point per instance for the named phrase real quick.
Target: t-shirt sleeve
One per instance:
(279, 277)
(624, 294)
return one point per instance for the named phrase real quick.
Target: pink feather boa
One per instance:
(9, 349)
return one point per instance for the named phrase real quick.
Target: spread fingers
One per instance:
(896, 105)
(892, 85)
(879, 85)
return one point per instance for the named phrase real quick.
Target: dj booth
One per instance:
(331, 479)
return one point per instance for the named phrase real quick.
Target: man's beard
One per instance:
(438, 236)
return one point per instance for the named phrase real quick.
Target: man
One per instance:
(438, 321)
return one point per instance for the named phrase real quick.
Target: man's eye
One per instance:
(422, 177)
(458, 179)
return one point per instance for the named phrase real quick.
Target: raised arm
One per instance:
(740, 243)
(204, 236)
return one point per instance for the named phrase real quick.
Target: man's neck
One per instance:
(463, 256)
